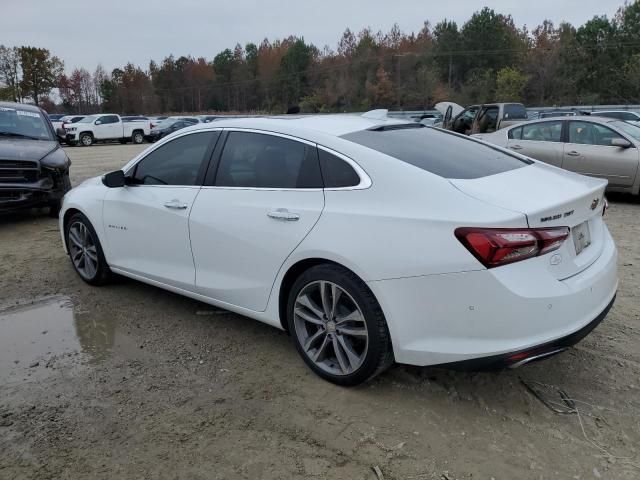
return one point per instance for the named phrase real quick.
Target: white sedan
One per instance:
(369, 240)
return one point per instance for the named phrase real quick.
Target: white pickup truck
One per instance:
(105, 128)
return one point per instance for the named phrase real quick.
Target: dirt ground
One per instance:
(128, 381)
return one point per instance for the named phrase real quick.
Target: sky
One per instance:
(84, 33)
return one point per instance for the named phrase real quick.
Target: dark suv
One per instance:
(34, 169)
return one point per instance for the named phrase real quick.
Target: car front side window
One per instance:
(587, 133)
(178, 162)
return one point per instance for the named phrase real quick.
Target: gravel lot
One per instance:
(129, 381)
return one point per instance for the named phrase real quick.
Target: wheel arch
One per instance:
(292, 273)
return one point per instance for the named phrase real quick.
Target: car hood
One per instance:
(443, 106)
(24, 149)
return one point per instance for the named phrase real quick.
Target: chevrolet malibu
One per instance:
(369, 240)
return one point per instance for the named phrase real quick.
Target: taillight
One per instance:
(605, 207)
(494, 247)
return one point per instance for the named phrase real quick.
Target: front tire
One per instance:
(85, 251)
(86, 140)
(338, 326)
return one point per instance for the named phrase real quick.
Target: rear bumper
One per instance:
(538, 352)
(452, 318)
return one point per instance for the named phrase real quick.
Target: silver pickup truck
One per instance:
(485, 118)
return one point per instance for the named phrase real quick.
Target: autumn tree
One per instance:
(40, 72)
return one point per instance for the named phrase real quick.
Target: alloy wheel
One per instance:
(331, 328)
(83, 250)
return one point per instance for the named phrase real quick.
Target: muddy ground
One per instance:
(129, 381)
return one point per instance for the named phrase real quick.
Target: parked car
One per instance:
(59, 125)
(484, 118)
(619, 114)
(369, 240)
(155, 121)
(168, 126)
(208, 118)
(428, 119)
(56, 116)
(103, 128)
(34, 169)
(596, 146)
(134, 118)
(560, 113)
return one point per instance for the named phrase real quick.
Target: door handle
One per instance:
(175, 205)
(284, 214)
(516, 147)
(573, 153)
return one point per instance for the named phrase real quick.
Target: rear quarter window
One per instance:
(514, 111)
(441, 153)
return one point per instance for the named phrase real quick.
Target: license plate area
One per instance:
(581, 237)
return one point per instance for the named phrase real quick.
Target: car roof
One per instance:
(332, 124)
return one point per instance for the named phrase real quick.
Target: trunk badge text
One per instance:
(557, 216)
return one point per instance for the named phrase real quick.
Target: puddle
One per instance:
(37, 339)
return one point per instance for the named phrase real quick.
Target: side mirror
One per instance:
(620, 142)
(98, 122)
(61, 132)
(114, 179)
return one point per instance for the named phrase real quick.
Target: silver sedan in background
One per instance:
(595, 146)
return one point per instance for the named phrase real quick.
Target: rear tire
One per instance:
(85, 251)
(345, 341)
(137, 137)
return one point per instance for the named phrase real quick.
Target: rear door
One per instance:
(589, 151)
(147, 221)
(540, 140)
(261, 198)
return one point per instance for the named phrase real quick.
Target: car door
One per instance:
(259, 202)
(102, 128)
(589, 151)
(539, 140)
(147, 221)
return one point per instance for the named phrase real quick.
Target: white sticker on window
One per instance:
(5, 109)
(27, 114)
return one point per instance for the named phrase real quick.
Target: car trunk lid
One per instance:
(550, 197)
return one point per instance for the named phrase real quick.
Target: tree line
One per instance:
(487, 58)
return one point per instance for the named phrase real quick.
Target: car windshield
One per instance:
(88, 119)
(15, 122)
(441, 153)
(629, 128)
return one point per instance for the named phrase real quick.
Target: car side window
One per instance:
(337, 173)
(177, 162)
(587, 133)
(257, 160)
(543, 131)
(515, 133)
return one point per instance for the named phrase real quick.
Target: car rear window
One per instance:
(514, 111)
(441, 153)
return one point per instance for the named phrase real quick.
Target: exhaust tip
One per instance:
(522, 358)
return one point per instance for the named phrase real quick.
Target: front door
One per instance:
(266, 197)
(147, 221)
(107, 127)
(589, 151)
